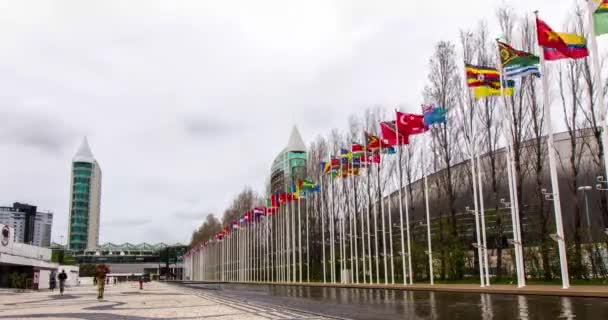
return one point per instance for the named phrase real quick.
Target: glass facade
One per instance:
(82, 173)
(288, 167)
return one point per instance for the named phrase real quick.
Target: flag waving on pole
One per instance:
(325, 167)
(409, 123)
(390, 134)
(600, 16)
(558, 46)
(485, 81)
(433, 114)
(516, 63)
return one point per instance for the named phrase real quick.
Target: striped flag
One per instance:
(517, 63)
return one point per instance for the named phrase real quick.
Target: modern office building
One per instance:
(85, 197)
(29, 225)
(290, 164)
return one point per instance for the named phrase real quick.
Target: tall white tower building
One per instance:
(85, 196)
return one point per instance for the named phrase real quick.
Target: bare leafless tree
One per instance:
(444, 89)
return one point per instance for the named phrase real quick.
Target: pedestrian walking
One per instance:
(52, 281)
(62, 277)
(102, 271)
(141, 283)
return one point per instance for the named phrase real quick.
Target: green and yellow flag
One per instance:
(600, 17)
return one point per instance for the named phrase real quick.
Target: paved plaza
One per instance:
(126, 301)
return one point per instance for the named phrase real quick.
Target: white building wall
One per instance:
(94, 208)
(42, 229)
(16, 220)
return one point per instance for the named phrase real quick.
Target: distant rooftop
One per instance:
(144, 246)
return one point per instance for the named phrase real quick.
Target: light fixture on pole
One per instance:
(512, 242)
(555, 237)
(584, 189)
(602, 184)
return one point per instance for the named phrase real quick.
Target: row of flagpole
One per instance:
(279, 257)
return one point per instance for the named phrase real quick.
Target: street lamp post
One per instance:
(584, 189)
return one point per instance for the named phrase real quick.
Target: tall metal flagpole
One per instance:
(514, 205)
(369, 203)
(400, 186)
(265, 261)
(483, 222)
(553, 169)
(287, 254)
(354, 225)
(307, 244)
(390, 236)
(281, 242)
(332, 231)
(376, 212)
(383, 238)
(475, 198)
(271, 243)
(407, 225)
(277, 242)
(484, 248)
(293, 241)
(269, 239)
(322, 229)
(428, 218)
(350, 226)
(369, 241)
(300, 237)
(341, 240)
(362, 232)
(595, 60)
(256, 247)
(290, 275)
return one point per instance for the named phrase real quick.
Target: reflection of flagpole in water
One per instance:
(566, 309)
(433, 305)
(522, 306)
(486, 307)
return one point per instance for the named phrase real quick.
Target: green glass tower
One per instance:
(289, 165)
(85, 196)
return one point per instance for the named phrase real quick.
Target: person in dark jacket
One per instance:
(62, 277)
(52, 281)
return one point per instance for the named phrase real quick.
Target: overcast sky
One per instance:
(185, 102)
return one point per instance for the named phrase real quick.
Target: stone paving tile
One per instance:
(127, 302)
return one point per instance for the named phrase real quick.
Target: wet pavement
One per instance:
(400, 304)
(126, 302)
